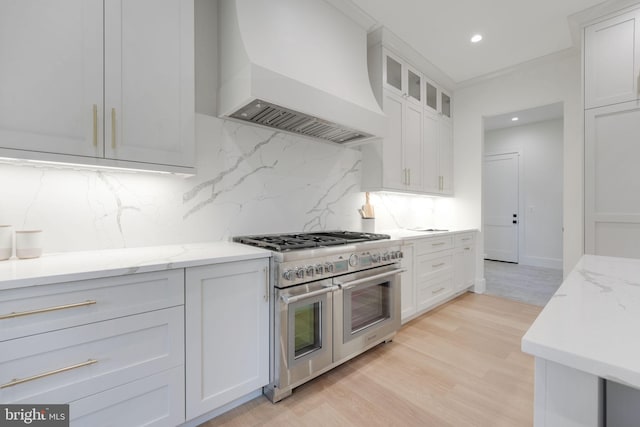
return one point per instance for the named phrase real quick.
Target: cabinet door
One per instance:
(612, 180)
(431, 96)
(149, 81)
(445, 150)
(412, 146)
(611, 66)
(394, 173)
(430, 156)
(227, 333)
(463, 267)
(408, 294)
(414, 85)
(51, 76)
(393, 71)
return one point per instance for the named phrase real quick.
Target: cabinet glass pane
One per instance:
(446, 105)
(432, 96)
(394, 73)
(414, 85)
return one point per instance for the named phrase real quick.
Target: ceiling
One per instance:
(514, 31)
(531, 115)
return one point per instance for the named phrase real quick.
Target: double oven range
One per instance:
(336, 294)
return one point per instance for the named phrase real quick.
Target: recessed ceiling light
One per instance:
(476, 38)
(514, 119)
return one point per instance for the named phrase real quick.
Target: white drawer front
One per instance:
(435, 244)
(123, 349)
(71, 304)
(432, 291)
(428, 265)
(464, 239)
(156, 401)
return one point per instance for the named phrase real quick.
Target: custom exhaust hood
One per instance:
(299, 66)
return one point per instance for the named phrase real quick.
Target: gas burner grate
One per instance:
(295, 241)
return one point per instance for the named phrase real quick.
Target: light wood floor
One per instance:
(459, 365)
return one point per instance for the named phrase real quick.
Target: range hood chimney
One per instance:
(299, 66)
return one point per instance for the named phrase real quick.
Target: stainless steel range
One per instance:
(336, 294)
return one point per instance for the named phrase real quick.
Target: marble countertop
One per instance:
(592, 323)
(409, 234)
(70, 266)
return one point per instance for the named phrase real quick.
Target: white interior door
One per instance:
(500, 206)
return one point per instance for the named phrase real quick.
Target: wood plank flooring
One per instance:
(459, 365)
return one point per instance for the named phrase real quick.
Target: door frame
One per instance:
(521, 198)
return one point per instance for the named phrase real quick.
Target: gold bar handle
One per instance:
(17, 381)
(437, 265)
(438, 244)
(266, 286)
(113, 128)
(46, 310)
(95, 125)
(437, 291)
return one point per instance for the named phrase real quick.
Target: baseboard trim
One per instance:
(480, 286)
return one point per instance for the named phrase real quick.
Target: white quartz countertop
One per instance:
(409, 234)
(70, 266)
(592, 323)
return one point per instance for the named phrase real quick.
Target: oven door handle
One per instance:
(351, 284)
(290, 300)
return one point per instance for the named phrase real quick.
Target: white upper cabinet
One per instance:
(149, 81)
(51, 76)
(401, 78)
(416, 153)
(612, 60)
(106, 82)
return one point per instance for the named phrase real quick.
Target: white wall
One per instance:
(540, 148)
(546, 81)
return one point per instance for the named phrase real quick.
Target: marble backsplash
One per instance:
(250, 180)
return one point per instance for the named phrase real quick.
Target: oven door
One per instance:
(305, 336)
(366, 310)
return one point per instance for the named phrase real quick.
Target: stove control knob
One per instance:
(288, 275)
(300, 273)
(309, 270)
(319, 269)
(393, 255)
(328, 267)
(400, 254)
(375, 257)
(353, 260)
(385, 256)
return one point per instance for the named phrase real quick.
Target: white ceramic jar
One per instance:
(28, 243)
(6, 242)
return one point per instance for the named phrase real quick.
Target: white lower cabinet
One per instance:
(408, 300)
(440, 268)
(464, 262)
(227, 333)
(114, 364)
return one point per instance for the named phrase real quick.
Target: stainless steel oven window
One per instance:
(306, 323)
(365, 306)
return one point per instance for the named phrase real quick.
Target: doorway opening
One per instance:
(522, 203)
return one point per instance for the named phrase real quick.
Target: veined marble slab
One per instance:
(71, 266)
(592, 322)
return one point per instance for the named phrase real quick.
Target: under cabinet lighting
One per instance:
(514, 119)
(476, 38)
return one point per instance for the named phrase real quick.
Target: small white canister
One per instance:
(6, 242)
(28, 243)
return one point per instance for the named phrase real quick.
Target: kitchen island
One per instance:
(586, 347)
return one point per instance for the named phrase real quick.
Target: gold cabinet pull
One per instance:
(437, 265)
(438, 244)
(95, 125)
(46, 310)
(113, 128)
(437, 291)
(266, 286)
(17, 381)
